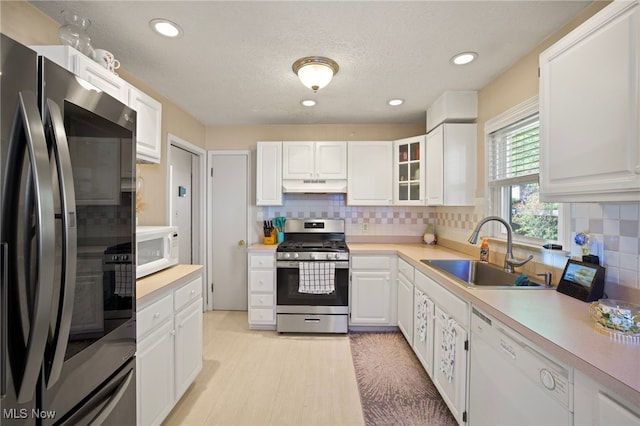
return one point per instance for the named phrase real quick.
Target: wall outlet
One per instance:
(364, 227)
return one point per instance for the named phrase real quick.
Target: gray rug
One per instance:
(394, 388)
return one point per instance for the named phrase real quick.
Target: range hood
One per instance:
(315, 186)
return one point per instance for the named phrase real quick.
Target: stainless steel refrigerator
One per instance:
(67, 288)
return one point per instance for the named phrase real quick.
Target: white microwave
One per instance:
(156, 249)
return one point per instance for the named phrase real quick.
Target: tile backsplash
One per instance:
(615, 227)
(360, 221)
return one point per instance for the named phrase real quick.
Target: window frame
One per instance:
(495, 194)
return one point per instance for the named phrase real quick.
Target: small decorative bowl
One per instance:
(616, 317)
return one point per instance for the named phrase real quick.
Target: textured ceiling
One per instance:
(233, 64)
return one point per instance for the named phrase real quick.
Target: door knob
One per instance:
(241, 242)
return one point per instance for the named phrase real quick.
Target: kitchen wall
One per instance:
(245, 137)
(615, 226)
(26, 24)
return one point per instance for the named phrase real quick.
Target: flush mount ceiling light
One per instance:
(463, 58)
(166, 28)
(315, 72)
(308, 102)
(395, 102)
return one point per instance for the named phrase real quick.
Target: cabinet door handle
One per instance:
(637, 169)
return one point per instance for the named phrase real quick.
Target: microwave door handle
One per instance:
(62, 323)
(35, 321)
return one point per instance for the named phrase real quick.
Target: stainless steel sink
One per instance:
(474, 273)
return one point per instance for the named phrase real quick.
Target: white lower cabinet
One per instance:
(405, 308)
(262, 290)
(423, 329)
(372, 291)
(444, 349)
(450, 363)
(169, 349)
(405, 299)
(155, 366)
(595, 405)
(188, 325)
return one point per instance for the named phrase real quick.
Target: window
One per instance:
(513, 152)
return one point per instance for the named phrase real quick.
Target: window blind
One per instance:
(514, 151)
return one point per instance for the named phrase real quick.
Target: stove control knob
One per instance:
(295, 255)
(331, 256)
(313, 256)
(287, 255)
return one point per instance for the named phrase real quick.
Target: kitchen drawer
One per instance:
(371, 262)
(262, 300)
(406, 269)
(189, 292)
(154, 315)
(262, 316)
(452, 304)
(262, 281)
(262, 261)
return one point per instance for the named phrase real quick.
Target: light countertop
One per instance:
(557, 323)
(150, 284)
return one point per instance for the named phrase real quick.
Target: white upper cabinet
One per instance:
(589, 110)
(314, 160)
(269, 174)
(149, 126)
(370, 173)
(148, 110)
(451, 165)
(85, 68)
(409, 171)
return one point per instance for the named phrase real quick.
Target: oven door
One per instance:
(288, 285)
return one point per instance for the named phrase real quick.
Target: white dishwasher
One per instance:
(511, 383)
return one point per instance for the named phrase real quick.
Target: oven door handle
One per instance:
(295, 264)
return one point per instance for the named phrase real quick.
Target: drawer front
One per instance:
(187, 293)
(443, 298)
(371, 262)
(154, 315)
(406, 269)
(263, 316)
(262, 261)
(262, 281)
(262, 300)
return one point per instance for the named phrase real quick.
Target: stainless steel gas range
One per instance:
(312, 265)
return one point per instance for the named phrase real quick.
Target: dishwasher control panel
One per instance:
(549, 375)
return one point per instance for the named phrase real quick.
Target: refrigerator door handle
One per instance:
(113, 401)
(34, 331)
(58, 144)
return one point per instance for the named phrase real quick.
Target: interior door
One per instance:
(228, 191)
(182, 200)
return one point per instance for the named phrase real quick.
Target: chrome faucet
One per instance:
(509, 260)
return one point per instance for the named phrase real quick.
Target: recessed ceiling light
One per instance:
(166, 28)
(395, 102)
(463, 58)
(308, 102)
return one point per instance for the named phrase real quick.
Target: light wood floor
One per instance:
(263, 378)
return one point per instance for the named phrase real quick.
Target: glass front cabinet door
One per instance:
(409, 173)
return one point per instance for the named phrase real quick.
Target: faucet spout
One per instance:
(509, 260)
